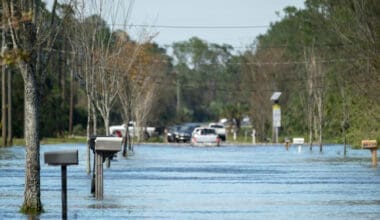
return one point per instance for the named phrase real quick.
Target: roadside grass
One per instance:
(50, 140)
(243, 138)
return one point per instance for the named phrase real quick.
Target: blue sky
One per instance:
(214, 13)
(199, 13)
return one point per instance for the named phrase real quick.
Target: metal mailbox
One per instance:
(369, 144)
(108, 144)
(62, 158)
(105, 147)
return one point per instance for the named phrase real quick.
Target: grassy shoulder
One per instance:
(244, 138)
(51, 140)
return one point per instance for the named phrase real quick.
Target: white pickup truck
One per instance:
(204, 136)
(119, 130)
(220, 130)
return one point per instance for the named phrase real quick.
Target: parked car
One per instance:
(205, 136)
(219, 129)
(185, 132)
(133, 130)
(172, 133)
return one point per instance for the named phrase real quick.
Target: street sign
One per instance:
(275, 96)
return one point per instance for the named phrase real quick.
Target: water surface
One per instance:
(183, 182)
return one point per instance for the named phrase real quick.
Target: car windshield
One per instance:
(173, 129)
(185, 129)
(216, 126)
(208, 131)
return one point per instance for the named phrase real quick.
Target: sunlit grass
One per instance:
(50, 140)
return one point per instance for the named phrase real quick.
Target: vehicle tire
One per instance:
(222, 137)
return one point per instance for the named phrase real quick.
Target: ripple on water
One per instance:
(183, 182)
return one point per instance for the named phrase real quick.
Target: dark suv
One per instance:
(184, 134)
(172, 133)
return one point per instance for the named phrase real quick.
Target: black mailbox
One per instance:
(63, 158)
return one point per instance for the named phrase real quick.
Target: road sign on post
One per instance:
(276, 113)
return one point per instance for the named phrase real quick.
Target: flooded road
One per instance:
(183, 182)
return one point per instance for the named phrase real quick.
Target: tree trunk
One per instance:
(310, 119)
(320, 119)
(71, 108)
(10, 130)
(94, 120)
(3, 107)
(32, 194)
(88, 167)
(107, 124)
(3, 94)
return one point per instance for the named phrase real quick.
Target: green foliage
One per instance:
(215, 83)
(79, 130)
(340, 33)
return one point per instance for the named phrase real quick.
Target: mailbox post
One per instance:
(371, 145)
(63, 159)
(103, 147)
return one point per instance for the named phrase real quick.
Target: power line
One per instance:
(256, 63)
(192, 26)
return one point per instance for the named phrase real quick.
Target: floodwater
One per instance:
(182, 182)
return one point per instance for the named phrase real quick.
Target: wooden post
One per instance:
(99, 176)
(371, 145)
(105, 147)
(374, 157)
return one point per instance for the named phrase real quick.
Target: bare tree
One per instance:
(316, 94)
(95, 45)
(83, 43)
(125, 85)
(128, 81)
(143, 95)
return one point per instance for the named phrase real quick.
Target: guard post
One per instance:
(372, 146)
(63, 159)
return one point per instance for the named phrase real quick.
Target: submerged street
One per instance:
(182, 182)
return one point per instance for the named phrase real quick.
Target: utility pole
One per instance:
(178, 106)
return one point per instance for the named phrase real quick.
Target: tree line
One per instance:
(65, 73)
(324, 58)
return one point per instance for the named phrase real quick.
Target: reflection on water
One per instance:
(183, 182)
